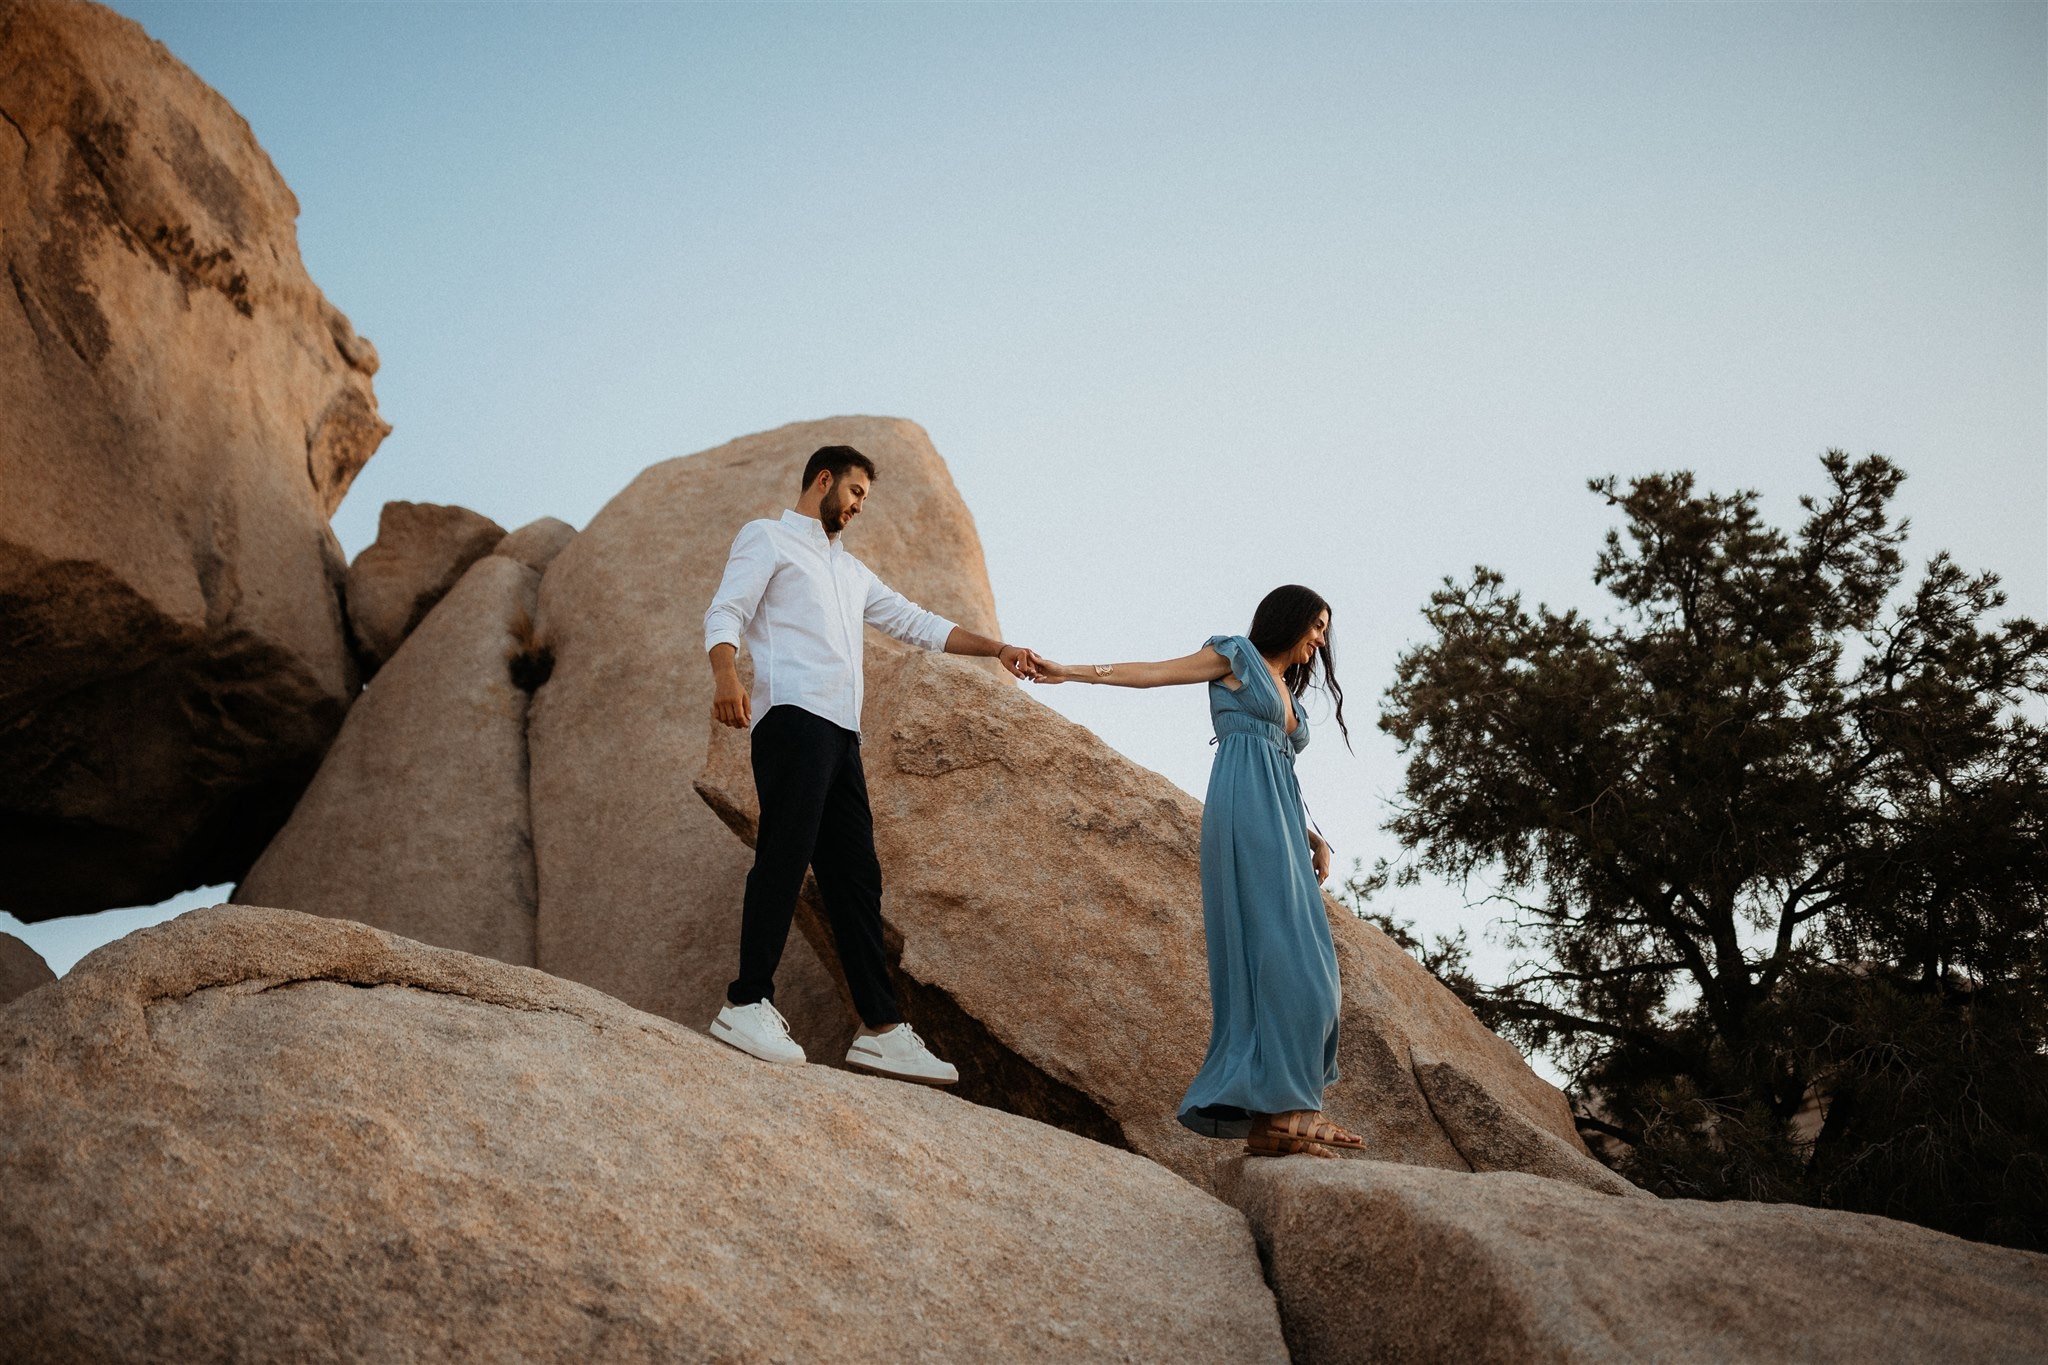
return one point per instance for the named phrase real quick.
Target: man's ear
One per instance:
(823, 483)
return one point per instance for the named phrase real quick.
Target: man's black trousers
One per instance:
(814, 814)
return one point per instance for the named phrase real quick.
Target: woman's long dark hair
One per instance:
(1284, 616)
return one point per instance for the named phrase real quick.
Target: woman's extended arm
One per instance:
(1204, 665)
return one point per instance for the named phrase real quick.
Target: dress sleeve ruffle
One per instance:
(1243, 658)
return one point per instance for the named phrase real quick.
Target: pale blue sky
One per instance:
(1194, 300)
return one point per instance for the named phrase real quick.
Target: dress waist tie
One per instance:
(1251, 727)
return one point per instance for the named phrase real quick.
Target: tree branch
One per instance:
(1534, 1011)
(1587, 1123)
(1604, 974)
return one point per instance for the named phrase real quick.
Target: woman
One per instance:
(1272, 967)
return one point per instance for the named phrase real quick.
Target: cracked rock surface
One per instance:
(183, 411)
(253, 1134)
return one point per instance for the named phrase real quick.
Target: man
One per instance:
(799, 599)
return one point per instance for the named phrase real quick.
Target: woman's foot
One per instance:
(1330, 1135)
(1303, 1132)
(1274, 1144)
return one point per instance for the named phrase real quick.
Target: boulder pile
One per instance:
(522, 780)
(417, 820)
(517, 781)
(448, 1098)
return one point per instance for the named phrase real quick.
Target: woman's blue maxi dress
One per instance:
(1272, 966)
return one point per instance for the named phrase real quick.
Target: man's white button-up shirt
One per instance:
(799, 598)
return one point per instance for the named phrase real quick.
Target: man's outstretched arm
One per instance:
(1016, 658)
(894, 614)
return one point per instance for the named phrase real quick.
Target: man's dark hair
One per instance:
(838, 459)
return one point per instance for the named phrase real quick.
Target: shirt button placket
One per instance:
(835, 557)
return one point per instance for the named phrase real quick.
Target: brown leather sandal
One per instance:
(1278, 1144)
(1280, 1135)
(1330, 1135)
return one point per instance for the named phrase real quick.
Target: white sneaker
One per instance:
(902, 1054)
(758, 1030)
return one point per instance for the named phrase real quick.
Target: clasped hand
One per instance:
(1023, 663)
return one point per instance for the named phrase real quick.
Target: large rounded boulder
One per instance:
(183, 411)
(250, 1134)
(1378, 1262)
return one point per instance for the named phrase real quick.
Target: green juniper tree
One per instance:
(1774, 839)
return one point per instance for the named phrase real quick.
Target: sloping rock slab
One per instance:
(1013, 840)
(249, 1134)
(1493, 1137)
(640, 885)
(1378, 1262)
(422, 549)
(22, 969)
(180, 412)
(417, 821)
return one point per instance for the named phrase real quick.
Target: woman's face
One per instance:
(1313, 639)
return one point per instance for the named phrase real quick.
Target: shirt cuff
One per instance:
(940, 631)
(720, 634)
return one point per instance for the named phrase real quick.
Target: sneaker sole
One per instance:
(873, 1070)
(739, 1044)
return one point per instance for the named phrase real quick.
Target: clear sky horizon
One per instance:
(1195, 300)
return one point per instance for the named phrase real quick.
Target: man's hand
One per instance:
(1021, 662)
(730, 704)
(1319, 858)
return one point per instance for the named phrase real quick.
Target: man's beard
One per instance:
(833, 516)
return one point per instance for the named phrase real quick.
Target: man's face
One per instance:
(843, 497)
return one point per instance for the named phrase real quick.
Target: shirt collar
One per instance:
(809, 526)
